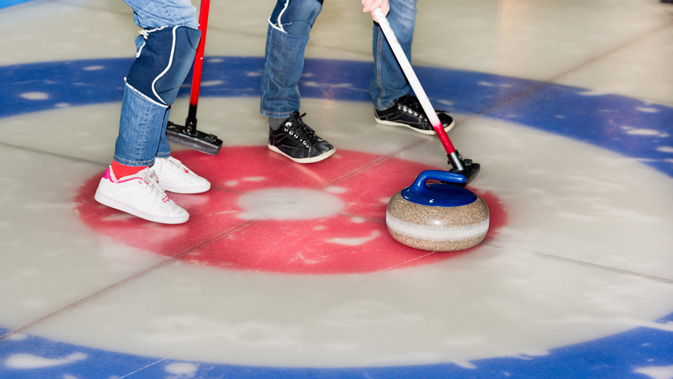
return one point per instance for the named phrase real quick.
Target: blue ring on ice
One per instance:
(9, 3)
(554, 108)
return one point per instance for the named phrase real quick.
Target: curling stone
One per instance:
(437, 216)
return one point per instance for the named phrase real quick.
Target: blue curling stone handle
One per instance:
(447, 194)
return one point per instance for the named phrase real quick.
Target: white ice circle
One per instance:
(288, 204)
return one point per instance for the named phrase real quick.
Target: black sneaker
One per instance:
(298, 141)
(408, 112)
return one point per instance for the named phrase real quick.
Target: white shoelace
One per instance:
(151, 183)
(177, 164)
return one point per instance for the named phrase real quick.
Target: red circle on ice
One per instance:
(320, 218)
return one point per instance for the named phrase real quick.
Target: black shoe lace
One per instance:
(304, 130)
(412, 103)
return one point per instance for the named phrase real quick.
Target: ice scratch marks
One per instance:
(654, 372)
(484, 83)
(35, 96)
(643, 132)
(212, 83)
(39, 95)
(234, 183)
(647, 109)
(594, 92)
(660, 136)
(300, 257)
(182, 369)
(354, 241)
(666, 149)
(29, 361)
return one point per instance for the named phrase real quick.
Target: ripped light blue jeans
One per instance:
(142, 125)
(288, 33)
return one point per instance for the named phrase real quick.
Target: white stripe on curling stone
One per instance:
(436, 233)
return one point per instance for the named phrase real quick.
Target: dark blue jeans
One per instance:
(289, 26)
(142, 125)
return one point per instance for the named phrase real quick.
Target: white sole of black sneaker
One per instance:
(304, 160)
(425, 132)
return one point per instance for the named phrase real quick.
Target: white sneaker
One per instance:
(176, 177)
(139, 195)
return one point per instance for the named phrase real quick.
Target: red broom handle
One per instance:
(198, 61)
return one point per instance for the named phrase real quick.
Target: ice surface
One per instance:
(585, 252)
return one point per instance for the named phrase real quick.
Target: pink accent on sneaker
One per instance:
(108, 174)
(130, 179)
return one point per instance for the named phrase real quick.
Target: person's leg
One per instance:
(389, 89)
(288, 32)
(165, 52)
(389, 82)
(160, 68)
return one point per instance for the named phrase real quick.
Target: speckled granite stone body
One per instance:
(435, 228)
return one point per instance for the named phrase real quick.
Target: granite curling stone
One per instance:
(437, 216)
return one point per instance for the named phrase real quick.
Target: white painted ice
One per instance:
(288, 204)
